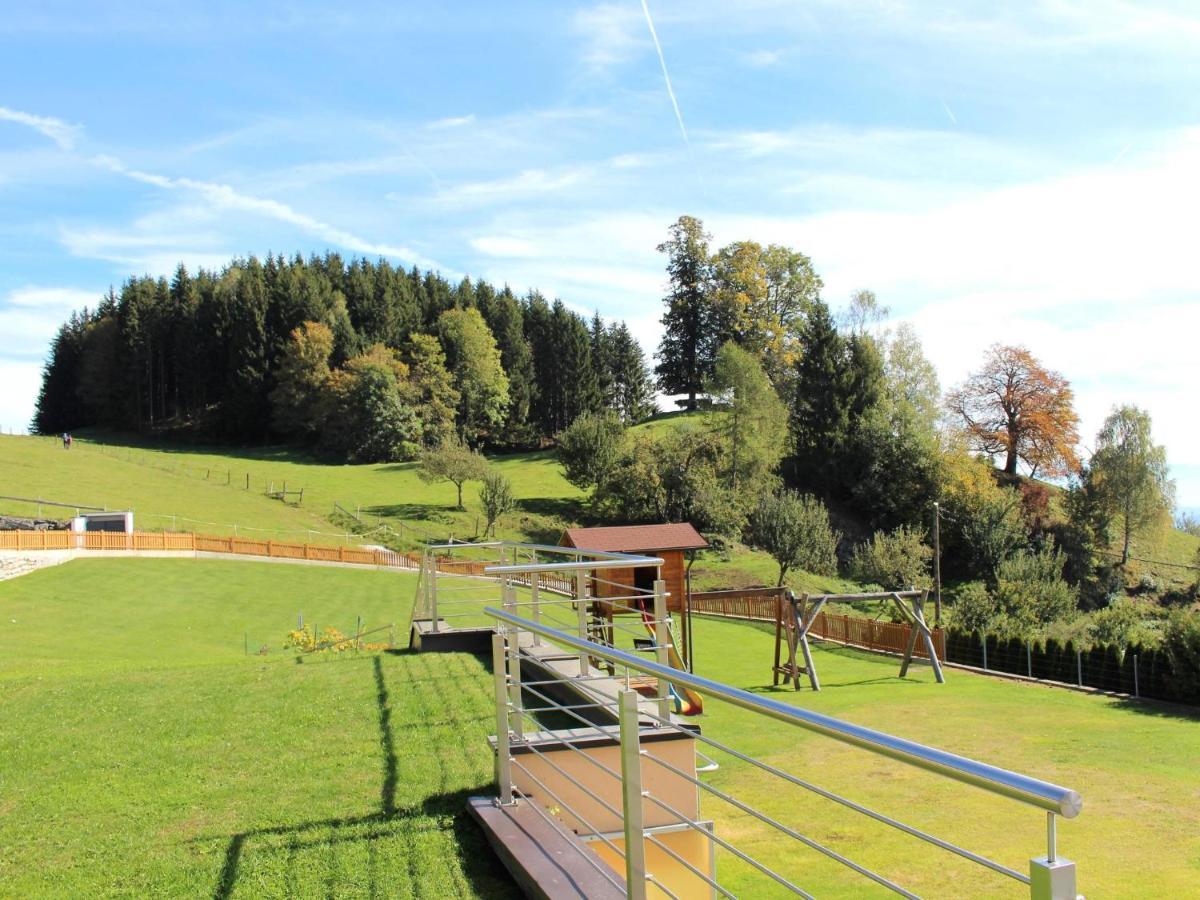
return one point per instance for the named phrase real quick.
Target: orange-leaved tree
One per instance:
(1016, 406)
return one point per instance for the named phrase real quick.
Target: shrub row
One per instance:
(1102, 666)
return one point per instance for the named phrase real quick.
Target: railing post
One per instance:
(1136, 692)
(431, 586)
(509, 600)
(631, 796)
(1079, 668)
(535, 597)
(1029, 658)
(662, 639)
(1051, 878)
(503, 761)
(983, 643)
(581, 617)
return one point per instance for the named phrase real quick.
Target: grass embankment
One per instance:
(159, 483)
(144, 754)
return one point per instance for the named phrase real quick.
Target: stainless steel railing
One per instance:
(625, 794)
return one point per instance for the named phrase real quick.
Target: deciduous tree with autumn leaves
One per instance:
(1016, 406)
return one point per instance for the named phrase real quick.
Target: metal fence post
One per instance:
(631, 796)
(509, 599)
(662, 638)
(1051, 878)
(431, 586)
(503, 761)
(983, 643)
(535, 597)
(581, 617)
(1079, 668)
(1136, 691)
(1029, 658)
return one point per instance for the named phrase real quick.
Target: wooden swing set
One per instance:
(794, 618)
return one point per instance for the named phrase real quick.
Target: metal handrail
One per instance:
(1035, 792)
(612, 561)
(546, 548)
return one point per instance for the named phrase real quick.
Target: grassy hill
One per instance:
(176, 488)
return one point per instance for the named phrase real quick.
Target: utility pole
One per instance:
(937, 565)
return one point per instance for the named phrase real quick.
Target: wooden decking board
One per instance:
(545, 863)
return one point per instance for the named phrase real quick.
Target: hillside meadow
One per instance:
(203, 490)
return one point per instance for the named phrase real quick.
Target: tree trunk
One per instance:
(1010, 464)
(459, 485)
(691, 402)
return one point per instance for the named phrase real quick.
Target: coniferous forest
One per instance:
(360, 360)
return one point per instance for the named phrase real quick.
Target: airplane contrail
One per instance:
(666, 75)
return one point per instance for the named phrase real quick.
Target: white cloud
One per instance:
(227, 198)
(505, 246)
(62, 133)
(52, 298)
(611, 32)
(528, 182)
(22, 381)
(452, 122)
(764, 59)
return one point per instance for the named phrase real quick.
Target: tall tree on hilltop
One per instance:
(632, 386)
(820, 419)
(578, 391)
(1016, 406)
(432, 392)
(690, 341)
(1131, 474)
(58, 406)
(474, 360)
(505, 317)
(300, 380)
(750, 416)
(602, 361)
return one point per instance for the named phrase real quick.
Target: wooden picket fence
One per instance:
(241, 546)
(204, 543)
(761, 605)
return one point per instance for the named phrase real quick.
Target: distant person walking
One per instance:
(66, 438)
(70, 440)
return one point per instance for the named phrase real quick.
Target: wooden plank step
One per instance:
(545, 862)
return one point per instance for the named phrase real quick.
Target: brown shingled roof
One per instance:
(635, 538)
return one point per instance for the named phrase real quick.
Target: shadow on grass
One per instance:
(424, 512)
(1164, 709)
(478, 864)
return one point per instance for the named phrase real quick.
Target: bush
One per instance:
(795, 530)
(974, 608)
(1120, 624)
(894, 560)
(1031, 592)
(1181, 644)
(588, 449)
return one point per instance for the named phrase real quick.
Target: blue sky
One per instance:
(1019, 172)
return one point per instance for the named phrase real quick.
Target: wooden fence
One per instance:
(204, 543)
(239, 546)
(761, 605)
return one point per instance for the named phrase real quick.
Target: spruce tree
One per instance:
(689, 343)
(633, 387)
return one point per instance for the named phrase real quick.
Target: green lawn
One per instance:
(1133, 763)
(144, 753)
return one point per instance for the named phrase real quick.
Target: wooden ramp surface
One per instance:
(545, 862)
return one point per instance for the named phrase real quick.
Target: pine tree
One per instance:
(820, 419)
(689, 344)
(633, 388)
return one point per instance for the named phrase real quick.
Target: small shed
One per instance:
(669, 542)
